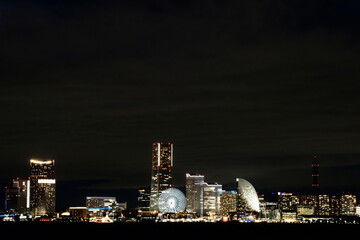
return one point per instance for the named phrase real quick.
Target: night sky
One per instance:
(245, 88)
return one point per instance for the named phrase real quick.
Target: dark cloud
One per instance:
(243, 88)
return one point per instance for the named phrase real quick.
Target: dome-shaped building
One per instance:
(248, 198)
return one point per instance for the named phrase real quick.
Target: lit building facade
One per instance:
(211, 197)
(144, 199)
(99, 206)
(357, 210)
(247, 198)
(194, 193)
(161, 178)
(287, 201)
(17, 196)
(323, 205)
(228, 203)
(42, 187)
(335, 205)
(347, 204)
(305, 210)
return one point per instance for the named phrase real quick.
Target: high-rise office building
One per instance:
(194, 193)
(17, 196)
(211, 197)
(161, 178)
(42, 187)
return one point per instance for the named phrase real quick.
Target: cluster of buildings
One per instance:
(209, 201)
(34, 195)
(34, 198)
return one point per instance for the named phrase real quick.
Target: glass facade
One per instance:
(161, 178)
(194, 194)
(211, 198)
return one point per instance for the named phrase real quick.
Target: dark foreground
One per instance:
(53, 230)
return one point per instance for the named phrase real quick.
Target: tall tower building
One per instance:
(42, 187)
(211, 196)
(194, 193)
(315, 176)
(161, 177)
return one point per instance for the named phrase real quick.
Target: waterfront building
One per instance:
(100, 206)
(335, 205)
(78, 212)
(228, 203)
(194, 193)
(247, 202)
(287, 201)
(347, 204)
(161, 178)
(17, 196)
(288, 216)
(42, 187)
(211, 198)
(323, 207)
(305, 210)
(357, 210)
(144, 199)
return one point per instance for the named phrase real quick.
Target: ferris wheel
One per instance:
(172, 200)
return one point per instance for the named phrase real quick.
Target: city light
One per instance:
(33, 199)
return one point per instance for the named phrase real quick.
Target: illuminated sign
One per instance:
(51, 181)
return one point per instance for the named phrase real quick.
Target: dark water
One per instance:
(51, 230)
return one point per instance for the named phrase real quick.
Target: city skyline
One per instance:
(250, 89)
(34, 199)
(42, 179)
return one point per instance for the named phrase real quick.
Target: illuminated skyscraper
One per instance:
(194, 193)
(211, 197)
(161, 178)
(42, 187)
